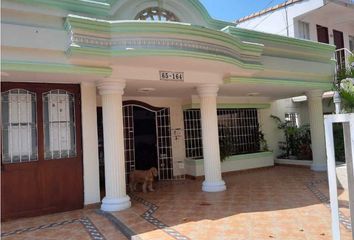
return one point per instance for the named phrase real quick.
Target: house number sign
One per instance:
(171, 76)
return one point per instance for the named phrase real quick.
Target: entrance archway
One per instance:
(147, 134)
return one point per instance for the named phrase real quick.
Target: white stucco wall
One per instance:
(195, 168)
(180, 166)
(90, 144)
(276, 21)
(279, 108)
(308, 11)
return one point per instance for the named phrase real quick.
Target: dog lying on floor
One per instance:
(144, 177)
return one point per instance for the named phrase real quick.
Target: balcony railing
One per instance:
(342, 55)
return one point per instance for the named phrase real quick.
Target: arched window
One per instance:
(156, 14)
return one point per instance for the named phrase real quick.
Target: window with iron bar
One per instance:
(240, 126)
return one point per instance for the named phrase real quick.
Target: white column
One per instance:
(116, 198)
(212, 165)
(318, 143)
(90, 143)
(348, 131)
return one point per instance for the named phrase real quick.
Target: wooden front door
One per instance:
(322, 34)
(41, 157)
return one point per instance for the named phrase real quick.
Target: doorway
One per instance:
(145, 138)
(41, 157)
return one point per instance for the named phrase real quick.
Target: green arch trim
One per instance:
(161, 53)
(22, 66)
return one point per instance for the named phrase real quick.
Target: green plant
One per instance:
(297, 142)
(262, 142)
(345, 86)
(226, 144)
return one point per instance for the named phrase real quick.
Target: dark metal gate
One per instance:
(163, 133)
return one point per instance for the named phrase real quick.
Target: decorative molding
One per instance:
(280, 82)
(160, 53)
(21, 66)
(108, 87)
(281, 46)
(160, 43)
(315, 94)
(208, 90)
(95, 37)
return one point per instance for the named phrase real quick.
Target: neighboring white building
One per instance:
(327, 21)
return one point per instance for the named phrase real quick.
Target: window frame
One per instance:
(351, 43)
(159, 14)
(292, 119)
(39, 89)
(34, 139)
(304, 30)
(242, 134)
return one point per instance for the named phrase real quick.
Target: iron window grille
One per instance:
(19, 126)
(240, 126)
(156, 14)
(292, 119)
(59, 124)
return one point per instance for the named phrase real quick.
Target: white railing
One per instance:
(342, 55)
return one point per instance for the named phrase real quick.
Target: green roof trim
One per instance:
(277, 45)
(281, 82)
(7, 65)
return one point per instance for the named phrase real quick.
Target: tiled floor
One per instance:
(275, 203)
(76, 225)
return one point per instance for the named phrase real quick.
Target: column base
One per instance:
(115, 204)
(214, 186)
(319, 167)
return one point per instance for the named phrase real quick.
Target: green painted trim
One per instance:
(7, 65)
(280, 82)
(156, 52)
(213, 23)
(197, 162)
(110, 28)
(250, 156)
(83, 6)
(194, 162)
(191, 106)
(241, 32)
(230, 105)
(281, 46)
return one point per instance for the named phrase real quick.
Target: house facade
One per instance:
(92, 90)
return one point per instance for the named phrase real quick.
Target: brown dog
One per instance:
(144, 177)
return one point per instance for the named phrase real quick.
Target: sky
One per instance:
(230, 10)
